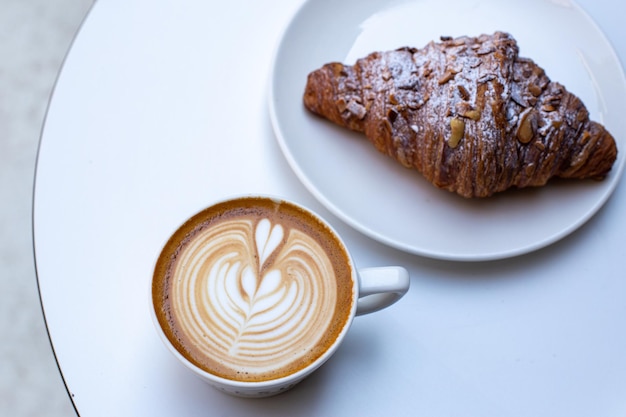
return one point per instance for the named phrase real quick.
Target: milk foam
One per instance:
(253, 296)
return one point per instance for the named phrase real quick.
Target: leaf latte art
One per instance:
(251, 298)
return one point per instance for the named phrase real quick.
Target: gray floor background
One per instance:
(34, 38)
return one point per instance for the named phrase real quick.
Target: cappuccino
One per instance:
(253, 289)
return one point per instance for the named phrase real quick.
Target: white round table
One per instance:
(160, 109)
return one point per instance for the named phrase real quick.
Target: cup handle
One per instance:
(380, 287)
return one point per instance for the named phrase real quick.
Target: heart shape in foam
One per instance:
(267, 238)
(261, 289)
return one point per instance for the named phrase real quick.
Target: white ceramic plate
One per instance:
(397, 206)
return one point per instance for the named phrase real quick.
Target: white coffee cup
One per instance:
(254, 293)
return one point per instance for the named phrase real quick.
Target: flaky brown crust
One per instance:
(468, 113)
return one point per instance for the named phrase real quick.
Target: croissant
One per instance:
(468, 113)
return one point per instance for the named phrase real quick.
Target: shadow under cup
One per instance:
(253, 294)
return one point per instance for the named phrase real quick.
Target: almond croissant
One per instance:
(468, 113)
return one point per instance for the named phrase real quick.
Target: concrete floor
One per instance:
(34, 38)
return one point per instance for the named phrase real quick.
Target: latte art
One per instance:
(254, 298)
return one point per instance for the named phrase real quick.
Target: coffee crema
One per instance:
(253, 289)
